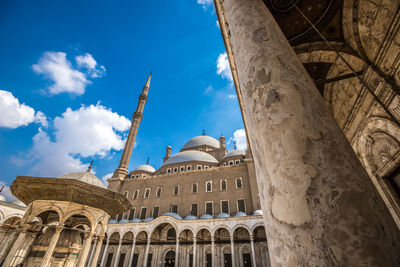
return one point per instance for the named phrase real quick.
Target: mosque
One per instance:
(318, 84)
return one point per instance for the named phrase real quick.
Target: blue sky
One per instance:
(71, 72)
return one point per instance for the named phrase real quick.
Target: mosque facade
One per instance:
(200, 208)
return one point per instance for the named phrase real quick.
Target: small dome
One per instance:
(112, 221)
(123, 221)
(235, 153)
(206, 216)
(86, 177)
(201, 141)
(148, 219)
(258, 212)
(136, 220)
(18, 202)
(174, 215)
(240, 214)
(145, 168)
(191, 155)
(190, 217)
(223, 215)
(2, 198)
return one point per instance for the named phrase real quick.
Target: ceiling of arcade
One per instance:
(361, 30)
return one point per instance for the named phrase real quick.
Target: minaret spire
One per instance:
(137, 117)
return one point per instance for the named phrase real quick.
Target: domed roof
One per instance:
(201, 141)
(174, 215)
(206, 216)
(18, 202)
(223, 215)
(2, 198)
(86, 177)
(190, 217)
(240, 214)
(145, 168)
(191, 155)
(235, 153)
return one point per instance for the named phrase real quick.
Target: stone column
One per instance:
(15, 248)
(104, 253)
(85, 250)
(253, 251)
(233, 251)
(117, 253)
(132, 252)
(194, 251)
(93, 261)
(92, 250)
(146, 254)
(314, 192)
(213, 252)
(7, 242)
(177, 252)
(52, 245)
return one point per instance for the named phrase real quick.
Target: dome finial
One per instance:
(90, 166)
(234, 145)
(148, 159)
(204, 132)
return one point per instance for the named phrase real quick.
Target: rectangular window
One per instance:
(136, 195)
(241, 205)
(155, 212)
(126, 194)
(121, 260)
(225, 206)
(173, 208)
(239, 183)
(223, 185)
(193, 210)
(131, 214)
(149, 260)
(209, 208)
(143, 213)
(176, 190)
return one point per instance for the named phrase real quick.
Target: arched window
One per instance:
(136, 195)
(239, 183)
(158, 192)
(194, 188)
(147, 193)
(171, 234)
(208, 187)
(176, 190)
(223, 185)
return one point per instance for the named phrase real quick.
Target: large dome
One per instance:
(145, 168)
(201, 141)
(191, 155)
(86, 177)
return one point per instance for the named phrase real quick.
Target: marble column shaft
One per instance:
(213, 252)
(319, 205)
(194, 251)
(117, 254)
(85, 250)
(233, 251)
(146, 254)
(177, 253)
(95, 258)
(104, 253)
(52, 245)
(253, 251)
(132, 252)
(92, 251)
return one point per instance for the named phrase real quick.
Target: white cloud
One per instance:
(56, 67)
(14, 114)
(205, 3)
(105, 177)
(86, 132)
(231, 96)
(208, 90)
(6, 192)
(87, 61)
(223, 67)
(239, 136)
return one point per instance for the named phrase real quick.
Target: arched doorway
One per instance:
(169, 259)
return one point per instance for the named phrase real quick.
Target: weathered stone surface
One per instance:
(319, 206)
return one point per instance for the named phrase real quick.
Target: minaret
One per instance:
(122, 169)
